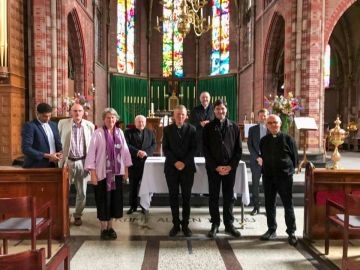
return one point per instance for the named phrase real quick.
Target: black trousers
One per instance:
(185, 180)
(255, 177)
(109, 204)
(282, 186)
(135, 176)
(227, 182)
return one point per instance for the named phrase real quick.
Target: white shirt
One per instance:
(50, 136)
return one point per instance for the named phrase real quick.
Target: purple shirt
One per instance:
(96, 156)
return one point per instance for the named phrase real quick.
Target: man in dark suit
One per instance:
(141, 142)
(280, 157)
(255, 134)
(179, 146)
(199, 117)
(222, 151)
(41, 143)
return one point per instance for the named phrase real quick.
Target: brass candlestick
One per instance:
(337, 136)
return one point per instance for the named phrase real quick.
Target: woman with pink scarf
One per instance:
(108, 160)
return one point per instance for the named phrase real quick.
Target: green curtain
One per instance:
(187, 89)
(158, 89)
(129, 97)
(222, 88)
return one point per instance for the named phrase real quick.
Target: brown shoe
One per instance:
(78, 221)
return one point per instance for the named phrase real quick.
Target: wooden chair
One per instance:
(35, 260)
(27, 260)
(348, 219)
(19, 218)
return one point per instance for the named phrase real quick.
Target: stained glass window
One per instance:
(172, 41)
(327, 57)
(125, 36)
(220, 54)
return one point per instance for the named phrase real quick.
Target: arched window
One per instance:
(327, 58)
(172, 41)
(125, 36)
(220, 55)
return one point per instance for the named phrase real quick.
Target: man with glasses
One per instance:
(280, 157)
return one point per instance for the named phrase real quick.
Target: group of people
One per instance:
(106, 157)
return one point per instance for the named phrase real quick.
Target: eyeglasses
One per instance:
(271, 123)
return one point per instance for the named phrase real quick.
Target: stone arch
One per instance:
(274, 57)
(76, 53)
(344, 39)
(335, 17)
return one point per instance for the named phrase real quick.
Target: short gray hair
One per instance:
(180, 107)
(111, 111)
(274, 116)
(140, 116)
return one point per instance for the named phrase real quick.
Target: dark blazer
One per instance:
(253, 146)
(279, 154)
(219, 149)
(35, 143)
(179, 149)
(135, 144)
(197, 115)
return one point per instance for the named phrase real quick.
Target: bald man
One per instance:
(75, 134)
(200, 116)
(141, 142)
(279, 156)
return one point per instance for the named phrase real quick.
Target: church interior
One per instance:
(147, 57)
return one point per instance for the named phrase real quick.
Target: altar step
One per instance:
(196, 200)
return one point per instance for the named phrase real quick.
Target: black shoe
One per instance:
(292, 239)
(104, 235)
(232, 231)
(269, 235)
(255, 211)
(174, 231)
(131, 210)
(213, 231)
(112, 234)
(187, 232)
(144, 211)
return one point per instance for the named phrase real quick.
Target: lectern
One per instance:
(304, 124)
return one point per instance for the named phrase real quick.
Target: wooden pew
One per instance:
(44, 184)
(321, 184)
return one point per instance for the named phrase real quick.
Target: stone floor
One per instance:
(143, 242)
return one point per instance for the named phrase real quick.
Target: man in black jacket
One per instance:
(179, 146)
(199, 117)
(280, 157)
(141, 142)
(255, 134)
(222, 151)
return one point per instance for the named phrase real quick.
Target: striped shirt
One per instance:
(77, 142)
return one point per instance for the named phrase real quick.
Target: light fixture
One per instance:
(3, 39)
(187, 14)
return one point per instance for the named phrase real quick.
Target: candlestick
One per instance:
(158, 98)
(188, 97)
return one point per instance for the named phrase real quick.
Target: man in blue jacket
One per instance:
(41, 143)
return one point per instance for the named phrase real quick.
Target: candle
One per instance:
(158, 92)
(194, 93)
(131, 99)
(225, 98)
(201, 13)
(182, 90)
(208, 20)
(157, 20)
(188, 96)
(152, 107)
(152, 93)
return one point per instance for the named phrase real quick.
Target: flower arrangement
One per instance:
(77, 99)
(285, 107)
